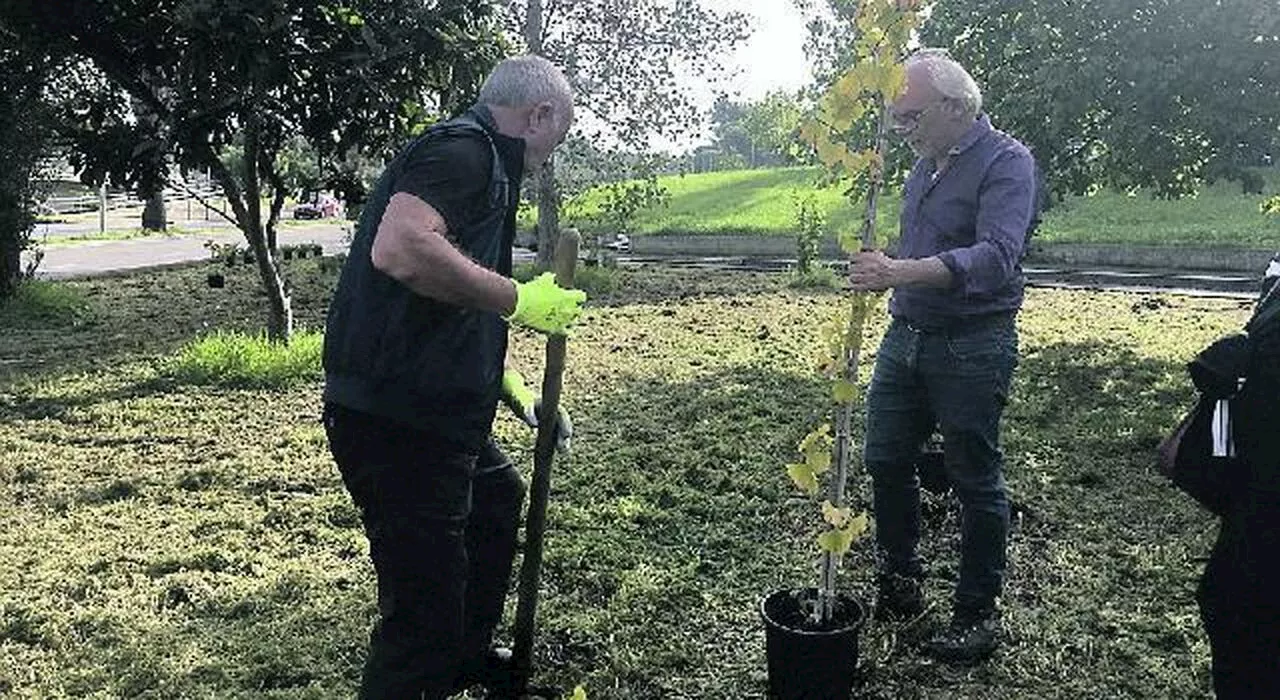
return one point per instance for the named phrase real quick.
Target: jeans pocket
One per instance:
(988, 345)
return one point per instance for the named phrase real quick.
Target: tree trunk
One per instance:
(279, 310)
(548, 214)
(548, 193)
(10, 263)
(153, 213)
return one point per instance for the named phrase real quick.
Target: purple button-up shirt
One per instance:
(974, 216)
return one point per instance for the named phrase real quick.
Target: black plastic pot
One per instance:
(807, 663)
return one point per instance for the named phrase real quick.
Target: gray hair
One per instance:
(949, 78)
(520, 81)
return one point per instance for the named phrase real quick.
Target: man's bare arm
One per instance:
(410, 246)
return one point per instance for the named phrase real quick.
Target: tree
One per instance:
(1126, 93)
(763, 132)
(857, 156)
(353, 76)
(623, 58)
(23, 138)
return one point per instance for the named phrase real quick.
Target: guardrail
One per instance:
(92, 202)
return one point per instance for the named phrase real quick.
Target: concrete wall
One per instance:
(1071, 255)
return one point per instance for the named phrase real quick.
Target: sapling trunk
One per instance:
(842, 458)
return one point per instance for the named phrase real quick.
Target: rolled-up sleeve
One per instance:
(1006, 204)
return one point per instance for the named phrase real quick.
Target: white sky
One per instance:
(773, 57)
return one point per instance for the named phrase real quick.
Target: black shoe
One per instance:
(495, 670)
(898, 597)
(974, 633)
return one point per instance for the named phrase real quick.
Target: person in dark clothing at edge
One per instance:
(948, 356)
(1239, 593)
(414, 358)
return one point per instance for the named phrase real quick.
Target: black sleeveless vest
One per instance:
(392, 353)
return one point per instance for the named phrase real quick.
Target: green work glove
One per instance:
(544, 306)
(522, 402)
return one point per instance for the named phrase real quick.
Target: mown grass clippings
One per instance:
(231, 563)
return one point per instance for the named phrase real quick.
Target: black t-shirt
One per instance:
(452, 175)
(420, 361)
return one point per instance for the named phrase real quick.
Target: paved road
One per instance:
(93, 258)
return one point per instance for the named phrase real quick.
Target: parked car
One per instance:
(320, 206)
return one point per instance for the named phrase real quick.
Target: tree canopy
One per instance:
(625, 60)
(1159, 94)
(181, 81)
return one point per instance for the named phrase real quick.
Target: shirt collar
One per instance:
(510, 148)
(981, 127)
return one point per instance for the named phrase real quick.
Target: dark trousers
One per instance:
(442, 527)
(956, 379)
(1239, 599)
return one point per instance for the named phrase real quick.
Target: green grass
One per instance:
(761, 202)
(112, 235)
(38, 303)
(238, 360)
(169, 540)
(1219, 216)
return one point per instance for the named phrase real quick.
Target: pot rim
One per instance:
(854, 624)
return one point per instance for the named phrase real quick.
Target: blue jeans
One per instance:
(956, 379)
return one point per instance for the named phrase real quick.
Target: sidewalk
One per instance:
(96, 258)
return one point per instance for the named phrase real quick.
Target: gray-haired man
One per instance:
(948, 356)
(414, 355)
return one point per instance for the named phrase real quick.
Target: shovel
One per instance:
(566, 259)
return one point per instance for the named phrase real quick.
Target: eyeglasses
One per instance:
(906, 122)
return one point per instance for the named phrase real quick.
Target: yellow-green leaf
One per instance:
(579, 693)
(857, 526)
(844, 391)
(818, 460)
(802, 475)
(835, 517)
(836, 542)
(894, 81)
(819, 436)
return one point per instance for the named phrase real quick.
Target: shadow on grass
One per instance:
(24, 406)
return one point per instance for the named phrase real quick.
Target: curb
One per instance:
(1073, 255)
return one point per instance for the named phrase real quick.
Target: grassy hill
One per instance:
(763, 202)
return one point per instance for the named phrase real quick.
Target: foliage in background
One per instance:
(1159, 94)
(175, 82)
(242, 361)
(623, 60)
(759, 133)
(810, 224)
(24, 140)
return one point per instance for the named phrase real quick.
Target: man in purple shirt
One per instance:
(947, 359)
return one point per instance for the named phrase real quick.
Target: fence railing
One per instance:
(83, 204)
